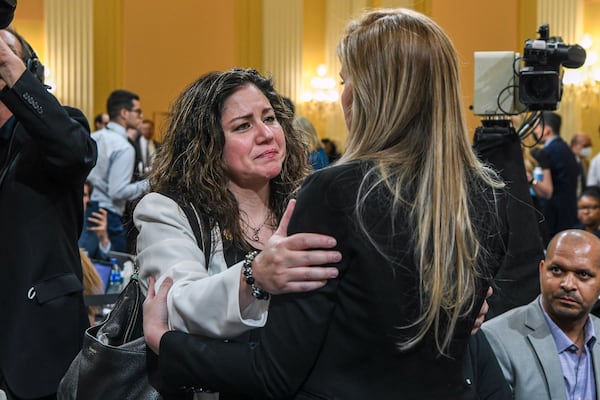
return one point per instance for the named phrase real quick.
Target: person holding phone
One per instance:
(97, 223)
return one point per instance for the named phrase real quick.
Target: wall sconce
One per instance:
(322, 93)
(584, 83)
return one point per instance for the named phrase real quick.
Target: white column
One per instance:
(565, 19)
(282, 45)
(69, 33)
(338, 15)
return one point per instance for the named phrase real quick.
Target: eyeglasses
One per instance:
(138, 111)
(588, 208)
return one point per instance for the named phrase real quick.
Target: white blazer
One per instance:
(202, 300)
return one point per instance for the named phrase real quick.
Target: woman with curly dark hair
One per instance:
(231, 153)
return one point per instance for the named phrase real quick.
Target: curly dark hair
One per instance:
(189, 164)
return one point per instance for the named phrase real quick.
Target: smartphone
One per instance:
(92, 206)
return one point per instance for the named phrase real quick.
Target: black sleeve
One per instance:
(62, 133)
(276, 360)
(484, 371)
(541, 157)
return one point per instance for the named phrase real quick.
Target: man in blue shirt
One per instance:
(111, 176)
(547, 349)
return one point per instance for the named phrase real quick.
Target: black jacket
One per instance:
(483, 371)
(341, 341)
(561, 209)
(43, 316)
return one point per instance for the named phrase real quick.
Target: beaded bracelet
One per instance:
(257, 292)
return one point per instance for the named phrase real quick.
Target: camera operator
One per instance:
(499, 144)
(45, 155)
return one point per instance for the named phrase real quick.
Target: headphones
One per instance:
(34, 65)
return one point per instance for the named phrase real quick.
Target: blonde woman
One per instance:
(318, 157)
(92, 283)
(416, 218)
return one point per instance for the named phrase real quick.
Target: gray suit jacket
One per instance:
(527, 354)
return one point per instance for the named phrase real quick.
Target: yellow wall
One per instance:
(314, 54)
(165, 47)
(248, 33)
(591, 114)
(29, 22)
(313, 45)
(156, 49)
(477, 25)
(108, 51)
(527, 25)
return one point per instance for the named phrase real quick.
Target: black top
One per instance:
(483, 370)
(340, 342)
(41, 212)
(541, 157)
(561, 209)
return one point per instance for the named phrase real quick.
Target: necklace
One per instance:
(256, 231)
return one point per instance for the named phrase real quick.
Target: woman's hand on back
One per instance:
(291, 264)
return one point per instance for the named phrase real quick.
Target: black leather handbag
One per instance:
(114, 362)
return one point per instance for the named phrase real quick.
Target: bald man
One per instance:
(547, 349)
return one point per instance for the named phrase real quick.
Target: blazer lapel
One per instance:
(596, 356)
(543, 344)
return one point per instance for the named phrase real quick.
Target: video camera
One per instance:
(504, 88)
(7, 12)
(538, 83)
(540, 86)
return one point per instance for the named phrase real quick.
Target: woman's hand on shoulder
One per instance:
(290, 263)
(482, 312)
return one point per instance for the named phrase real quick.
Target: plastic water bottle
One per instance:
(115, 283)
(538, 175)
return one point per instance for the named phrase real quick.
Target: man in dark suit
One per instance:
(133, 135)
(561, 209)
(45, 154)
(146, 145)
(581, 146)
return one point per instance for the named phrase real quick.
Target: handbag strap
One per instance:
(201, 233)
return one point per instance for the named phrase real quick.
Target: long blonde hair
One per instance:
(407, 117)
(311, 137)
(92, 283)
